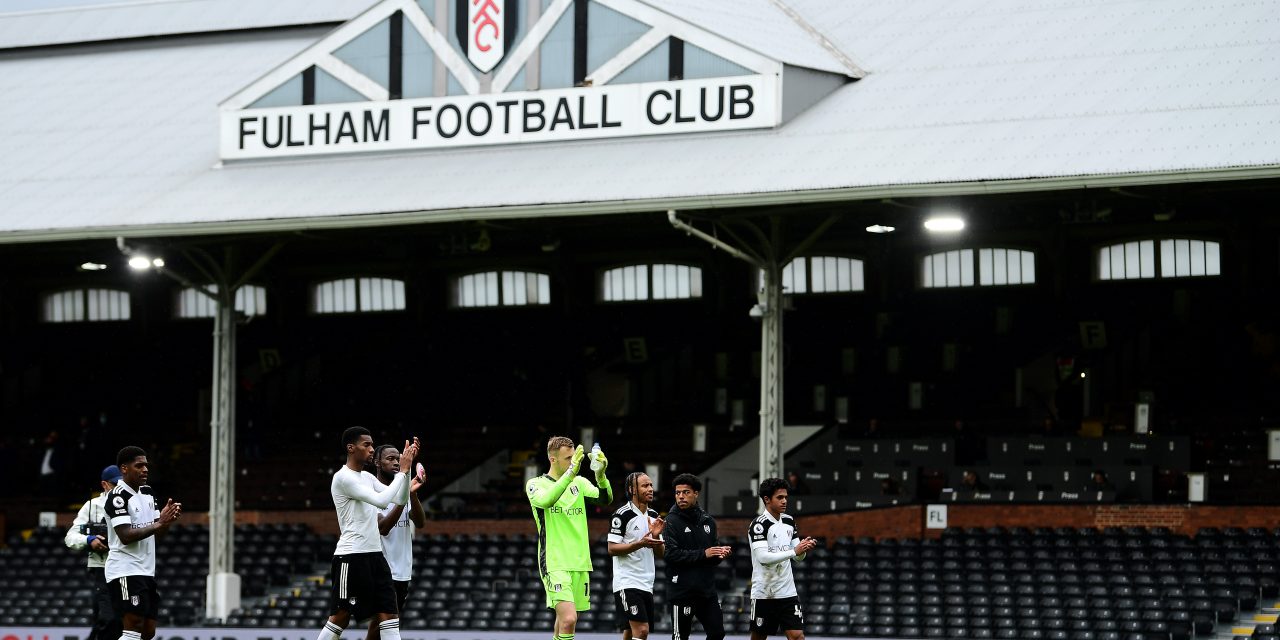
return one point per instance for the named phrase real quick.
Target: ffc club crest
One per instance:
(486, 30)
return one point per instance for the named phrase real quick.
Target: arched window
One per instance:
(86, 305)
(501, 288)
(1127, 261)
(1177, 258)
(947, 269)
(358, 295)
(822, 274)
(251, 300)
(651, 282)
(995, 267)
(1006, 266)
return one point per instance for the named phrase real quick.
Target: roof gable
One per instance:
(659, 73)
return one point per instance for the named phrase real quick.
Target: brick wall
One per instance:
(1010, 515)
(891, 522)
(1172, 516)
(1183, 519)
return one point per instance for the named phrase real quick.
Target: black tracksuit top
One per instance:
(687, 535)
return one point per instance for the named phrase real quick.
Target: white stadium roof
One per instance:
(149, 18)
(109, 138)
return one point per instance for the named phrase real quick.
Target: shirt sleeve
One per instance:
(377, 486)
(758, 534)
(75, 539)
(604, 492)
(760, 553)
(117, 509)
(588, 490)
(356, 489)
(543, 493)
(618, 528)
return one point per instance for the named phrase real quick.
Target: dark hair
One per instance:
(632, 484)
(377, 453)
(129, 454)
(689, 479)
(771, 486)
(352, 435)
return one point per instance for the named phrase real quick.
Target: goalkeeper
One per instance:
(559, 500)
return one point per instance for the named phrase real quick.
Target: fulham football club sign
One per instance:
(485, 29)
(488, 80)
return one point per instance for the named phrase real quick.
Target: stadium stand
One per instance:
(1061, 584)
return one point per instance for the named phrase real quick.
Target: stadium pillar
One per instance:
(769, 311)
(223, 588)
(770, 306)
(222, 593)
(221, 281)
(770, 258)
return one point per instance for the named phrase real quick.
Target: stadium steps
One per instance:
(1261, 624)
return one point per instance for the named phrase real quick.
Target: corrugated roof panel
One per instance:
(108, 136)
(759, 26)
(143, 19)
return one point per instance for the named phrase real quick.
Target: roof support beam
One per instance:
(349, 76)
(627, 57)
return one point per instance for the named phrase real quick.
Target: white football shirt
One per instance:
(397, 545)
(634, 570)
(136, 508)
(357, 497)
(772, 580)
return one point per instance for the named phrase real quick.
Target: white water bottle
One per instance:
(595, 457)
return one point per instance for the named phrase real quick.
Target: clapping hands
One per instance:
(805, 546)
(655, 527)
(409, 454)
(171, 511)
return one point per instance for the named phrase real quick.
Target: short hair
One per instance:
(689, 479)
(377, 453)
(771, 486)
(129, 454)
(353, 434)
(556, 443)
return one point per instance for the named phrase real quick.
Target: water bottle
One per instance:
(595, 457)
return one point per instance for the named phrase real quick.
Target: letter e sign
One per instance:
(635, 350)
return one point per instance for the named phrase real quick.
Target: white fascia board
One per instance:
(356, 221)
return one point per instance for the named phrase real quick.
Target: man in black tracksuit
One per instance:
(692, 555)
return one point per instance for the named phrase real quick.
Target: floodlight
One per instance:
(944, 224)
